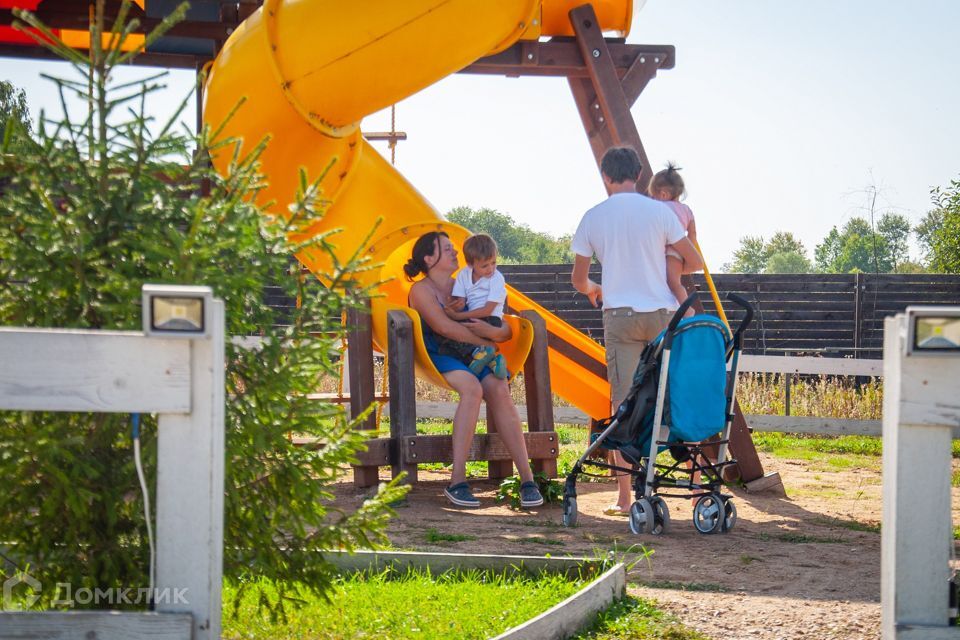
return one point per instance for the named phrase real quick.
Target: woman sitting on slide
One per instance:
(435, 257)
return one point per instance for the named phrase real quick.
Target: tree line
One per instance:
(859, 245)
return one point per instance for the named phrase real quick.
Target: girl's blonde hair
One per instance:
(668, 180)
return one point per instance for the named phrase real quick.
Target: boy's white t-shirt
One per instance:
(490, 289)
(628, 233)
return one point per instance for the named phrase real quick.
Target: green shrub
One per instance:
(96, 207)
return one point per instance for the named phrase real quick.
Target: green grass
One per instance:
(637, 619)
(800, 538)
(852, 525)
(410, 605)
(434, 537)
(686, 586)
(541, 540)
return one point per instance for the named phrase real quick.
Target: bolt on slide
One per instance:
(310, 71)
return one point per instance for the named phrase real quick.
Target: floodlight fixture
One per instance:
(176, 311)
(933, 331)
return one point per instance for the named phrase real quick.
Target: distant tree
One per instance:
(926, 230)
(944, 237)
(784, 242)
(788, 262)
(518, 243)
(755, 255)
(854, 248)
(895, 230)
(749, 258)
(13, 108)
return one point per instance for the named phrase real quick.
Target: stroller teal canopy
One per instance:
(697, 378)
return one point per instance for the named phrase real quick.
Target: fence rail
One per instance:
(829, 314)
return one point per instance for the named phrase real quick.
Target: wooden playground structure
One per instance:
(606, 76)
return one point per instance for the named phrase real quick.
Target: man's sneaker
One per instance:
(481, 358)
(460, 495)
(499, 367)
(530, 495)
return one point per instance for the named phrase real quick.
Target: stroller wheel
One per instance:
(707, 512)
(641, 517)
(570, 512)
(729, 515)
(661, 515)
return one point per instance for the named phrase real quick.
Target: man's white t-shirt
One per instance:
(484, 290)
(629, 232)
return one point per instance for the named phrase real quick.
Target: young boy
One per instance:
(478, 292)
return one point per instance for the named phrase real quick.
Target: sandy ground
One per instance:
(793, 567)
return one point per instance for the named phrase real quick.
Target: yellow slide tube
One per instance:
(310, 70)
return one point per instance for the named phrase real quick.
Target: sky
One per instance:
(783, 116)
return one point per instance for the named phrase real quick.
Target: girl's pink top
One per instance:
(682, 211)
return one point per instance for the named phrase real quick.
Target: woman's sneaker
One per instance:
(460, 495)
(498, 366)
(481, 358)
(530, 495)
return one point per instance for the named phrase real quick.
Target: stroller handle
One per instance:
(678, 315)
(747, 307)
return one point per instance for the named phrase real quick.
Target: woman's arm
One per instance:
(488, 331)
(423, 302)
(482, 312)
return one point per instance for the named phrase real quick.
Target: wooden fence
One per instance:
(836, 314)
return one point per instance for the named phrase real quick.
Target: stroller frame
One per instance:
(714, 511)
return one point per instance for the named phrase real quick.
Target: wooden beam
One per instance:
(103, 625)
(360, 363)
(561, 57)
(536, 379)
(403, 392)
(102, 371)
(610, 96)
(417, 449)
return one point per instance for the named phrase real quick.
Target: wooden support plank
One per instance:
(403, 393)
(606, 83)
(416, 449)
(102, 625)
(360, 369)
(103, 371)
(536, 378)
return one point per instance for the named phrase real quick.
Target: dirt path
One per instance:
(807, 566)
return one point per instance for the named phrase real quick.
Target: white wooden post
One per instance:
(181, 379)
(190, 459)
(921, 402)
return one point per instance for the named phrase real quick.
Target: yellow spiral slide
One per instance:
(310, 70)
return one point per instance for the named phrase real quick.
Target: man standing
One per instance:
(629, 233)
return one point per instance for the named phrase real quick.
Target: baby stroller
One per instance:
(682, 394)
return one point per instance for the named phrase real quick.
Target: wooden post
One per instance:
(360, 364)
(403, 394)
(920, 412)
(857, 313)
(496, 469)
(190, 469)
(536, 378)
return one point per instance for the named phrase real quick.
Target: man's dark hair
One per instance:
(621, 164)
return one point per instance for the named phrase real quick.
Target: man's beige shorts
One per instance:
(625, 333)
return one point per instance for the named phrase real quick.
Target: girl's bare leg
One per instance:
(674, 271)
(497, 395)
(464, 419)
